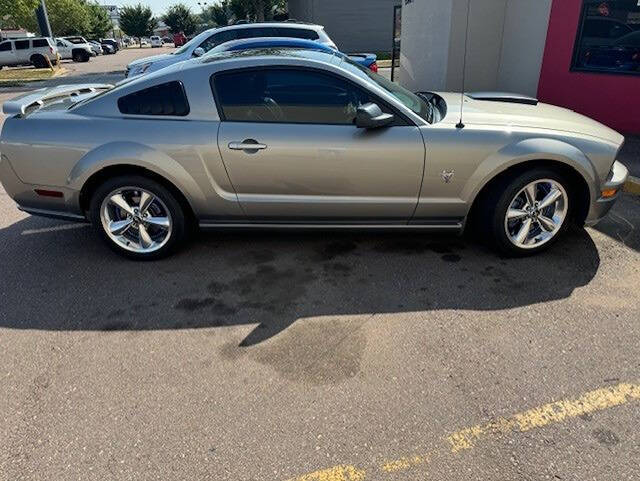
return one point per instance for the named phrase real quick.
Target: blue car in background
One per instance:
(367, 60)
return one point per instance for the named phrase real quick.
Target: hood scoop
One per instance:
(503, 97)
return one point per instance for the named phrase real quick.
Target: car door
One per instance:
(7, 54)
(63, 49)
(293, 153)
(22, 51)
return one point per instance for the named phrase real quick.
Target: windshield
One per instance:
(407, 98)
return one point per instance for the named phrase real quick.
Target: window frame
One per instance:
(156, 116)
(28, 47)
(8, 42)
(576, 50)
(400, 119)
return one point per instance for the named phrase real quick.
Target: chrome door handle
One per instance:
(248, 144)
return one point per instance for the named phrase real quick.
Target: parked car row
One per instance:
(42, 51)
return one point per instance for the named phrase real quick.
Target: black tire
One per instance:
(489, 220)
(80, 56)
(179, 228)
(38, 61)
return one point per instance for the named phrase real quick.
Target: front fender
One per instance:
(138, 155)
(527, 150)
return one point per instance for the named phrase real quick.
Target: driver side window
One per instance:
(287, 96)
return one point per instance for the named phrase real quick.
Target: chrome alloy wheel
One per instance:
(536, 214)
(136, 220)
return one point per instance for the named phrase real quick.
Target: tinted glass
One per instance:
(298, 33)
(5, 46)
(22, 44)
(256, 32)
(164, 99)
(40, 42)
(608, 38)
(217, 39)
(289, 96)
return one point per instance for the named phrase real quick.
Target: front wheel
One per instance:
(138, 217)
(529, 212)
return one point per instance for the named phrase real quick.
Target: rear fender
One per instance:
(138, 155)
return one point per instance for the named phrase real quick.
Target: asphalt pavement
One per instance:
(319, 357)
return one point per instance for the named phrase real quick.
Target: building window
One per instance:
(608, 37)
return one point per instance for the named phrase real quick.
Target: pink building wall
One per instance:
(611, 99)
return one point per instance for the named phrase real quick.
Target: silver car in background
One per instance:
(209, 39)
(286, 138)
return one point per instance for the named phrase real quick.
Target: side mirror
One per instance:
(199, 52)
(371, 116)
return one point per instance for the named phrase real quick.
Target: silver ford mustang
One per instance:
(285, 138)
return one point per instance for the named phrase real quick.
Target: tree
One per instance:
(99, 21)
(217, 15)
(18, 14)
(137, 21)
(256, 10)
(68, 17)
(180, 19)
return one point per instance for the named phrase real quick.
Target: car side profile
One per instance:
(288, 138)
(28, 51)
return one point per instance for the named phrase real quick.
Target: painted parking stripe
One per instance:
(550, 413)
(467, 438)
(56, 228)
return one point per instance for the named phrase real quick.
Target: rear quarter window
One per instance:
(167, 99)
(40, 42)
(298, 33)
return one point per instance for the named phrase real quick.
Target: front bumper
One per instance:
(601, 207)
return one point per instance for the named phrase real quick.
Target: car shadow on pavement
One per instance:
(58, 276)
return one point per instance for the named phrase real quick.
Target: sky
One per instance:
(159, 6)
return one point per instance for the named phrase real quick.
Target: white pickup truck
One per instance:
(78, 52)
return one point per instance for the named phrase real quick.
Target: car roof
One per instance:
(271, 54)
(302, 26)
(260, 42)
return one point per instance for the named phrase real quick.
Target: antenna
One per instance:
(460, 125)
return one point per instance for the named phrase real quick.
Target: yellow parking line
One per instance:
(551, 413)
(404, 463)
(337, 473)
(554, 412)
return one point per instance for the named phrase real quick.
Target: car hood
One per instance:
(540, 116)
(167, 57)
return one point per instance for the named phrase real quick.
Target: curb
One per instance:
(632, 185)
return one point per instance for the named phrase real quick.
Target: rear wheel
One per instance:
(527, 213)
(38, 61)
(138, 217)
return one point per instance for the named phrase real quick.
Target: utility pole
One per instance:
(43, 20)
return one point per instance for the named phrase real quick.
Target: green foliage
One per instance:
(217, 15)
(99, 22)
(180, 19)
(68, 17)
(19, 13)
(137, 21)
(227, 12)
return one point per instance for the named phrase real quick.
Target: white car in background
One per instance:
(213, 37)
(82, 41)
(156, 41)
(78, 52)
(28, 51)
